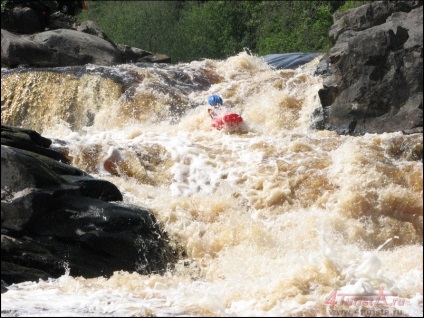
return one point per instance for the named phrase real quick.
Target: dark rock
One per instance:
(59, 20)
(26, 136)
(22, 20)
(323, 66)
(373, 74)
(26, 43)
(413, 131)
(28, 17)
(23, 259)
(367, 16)
(16, 273)
(66, 43)
(328, 95)
(71, 47)
(155, 58)
(3, 286)
(56, 217)
(17, 50)
(29, 140)
(94, 188)
(65, 47)
(91, 28)
(131, 54)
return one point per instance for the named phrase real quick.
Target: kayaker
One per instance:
(216, 102)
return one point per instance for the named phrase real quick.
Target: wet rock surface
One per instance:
(56, 217)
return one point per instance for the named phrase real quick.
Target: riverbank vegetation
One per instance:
(192, 30)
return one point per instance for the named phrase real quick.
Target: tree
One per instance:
(192, 30)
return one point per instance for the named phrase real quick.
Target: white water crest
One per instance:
(274, 220)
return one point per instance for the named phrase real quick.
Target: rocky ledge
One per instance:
(25, 43)
(55, 217)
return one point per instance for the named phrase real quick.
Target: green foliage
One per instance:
(192, 30)
(352, 4)
(214, 29)
(295, 26)
(149, 25)
(7, 4)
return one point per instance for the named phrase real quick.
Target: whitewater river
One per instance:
(275, 220)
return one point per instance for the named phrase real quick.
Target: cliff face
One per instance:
(374, 79)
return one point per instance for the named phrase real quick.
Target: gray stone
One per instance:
(373, 74)
(18, 50)
(71, 47)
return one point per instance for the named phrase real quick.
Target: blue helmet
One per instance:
(215, 100)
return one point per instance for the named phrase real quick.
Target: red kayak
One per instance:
(228, 121)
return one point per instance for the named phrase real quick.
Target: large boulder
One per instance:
(373, 74)
(71, 47)
(46, 34)
(68, 47)
(56, 217)
(17, 50)
(55, 48)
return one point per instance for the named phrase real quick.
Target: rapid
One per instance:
(278, 219)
